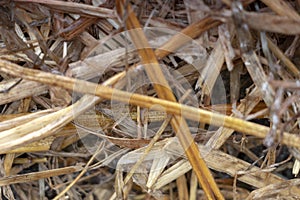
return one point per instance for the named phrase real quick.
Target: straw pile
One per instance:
(149, 99)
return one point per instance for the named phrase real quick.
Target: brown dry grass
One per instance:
(149, 99)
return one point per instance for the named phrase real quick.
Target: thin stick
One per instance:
(84, 170)
(147, 150)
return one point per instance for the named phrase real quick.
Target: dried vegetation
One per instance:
(149, 99)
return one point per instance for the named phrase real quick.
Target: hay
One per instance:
(149, 99)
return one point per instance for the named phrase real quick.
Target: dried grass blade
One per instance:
(282, 8)
(164, 91)
(222, 134)
(71, 7)
(249, 56)
(83, 171)
(277, 190)
(193, 187)
(280, 55)
(186, 35)
(8, 162)
(146, 151)
(273, 23)
(37, 146)
(77, 27)
(221, 162)
(105, 92)
(38, 175)
(22, 90)
(181, 183)
(212, 69)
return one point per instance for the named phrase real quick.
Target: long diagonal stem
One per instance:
(164, 91)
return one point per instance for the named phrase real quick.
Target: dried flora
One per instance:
(186, 99)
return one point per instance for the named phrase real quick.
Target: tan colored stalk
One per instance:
(164, 91)
(72, 7)
(280, 55)
(23, 178)
(195, 114)
(186, 35)
(282, 8)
